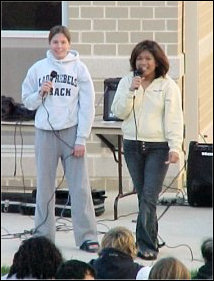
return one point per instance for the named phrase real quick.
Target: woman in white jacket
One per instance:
(149, 102)
(61, 89)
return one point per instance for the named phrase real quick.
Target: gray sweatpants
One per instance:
(49, 148)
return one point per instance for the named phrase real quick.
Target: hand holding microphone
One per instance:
(136, 81)
(47, 85)
(46, 88)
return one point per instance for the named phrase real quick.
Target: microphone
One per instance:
(52, 76)
(137, 72)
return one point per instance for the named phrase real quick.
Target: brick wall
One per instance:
(205, 23)
(104, 33)
(112, 28)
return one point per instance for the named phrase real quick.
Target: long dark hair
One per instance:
(158, 53)
(36, 257)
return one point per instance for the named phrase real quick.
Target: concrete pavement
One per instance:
(182, 227)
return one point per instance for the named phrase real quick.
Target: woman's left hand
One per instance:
(79, 150)
(173, 157)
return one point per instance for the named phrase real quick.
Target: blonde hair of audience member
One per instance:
(169, 268)
(120, 238)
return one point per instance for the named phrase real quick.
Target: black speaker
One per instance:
(199, 174)
(110, 87)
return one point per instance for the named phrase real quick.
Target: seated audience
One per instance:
(116, 255)
(75, 269)
(36, 258)
(169, 268)
(205, 271)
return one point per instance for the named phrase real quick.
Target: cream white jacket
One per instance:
(158, 111)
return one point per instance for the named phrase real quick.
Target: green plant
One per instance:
(194, 273)
(4, 269)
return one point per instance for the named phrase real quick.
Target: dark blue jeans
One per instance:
(145, 162)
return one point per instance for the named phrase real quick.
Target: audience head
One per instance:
(169, 268)
(119, 238)
(37, 257)
(75, 269)
(207, 249)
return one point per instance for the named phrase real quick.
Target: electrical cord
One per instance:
(21, 156)
(184, 166)
(59, 228)
(33, 231)
(133, 108)
(68, 156)
(48, 119)
(108, 228)
(64, 227)
(66, 204)
(48, 116)
(14, 141)
(169, 187)
(169, 204)
(173, 180)
(15, 235)
(203, 137)
(180, 245)
(52, 196)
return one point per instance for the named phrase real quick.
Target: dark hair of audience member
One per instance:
(37, 257)
(75, 269)
(207, 249)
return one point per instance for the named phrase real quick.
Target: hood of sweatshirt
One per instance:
(72, 55)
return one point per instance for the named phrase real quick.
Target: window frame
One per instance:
(36, 33)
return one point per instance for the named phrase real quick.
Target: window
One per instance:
(33, 15)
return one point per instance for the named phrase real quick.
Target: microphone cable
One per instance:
(14, 142)
(161, 215)
(137, 72)
(135, 121)
(160, 245)
(48, 119)
(173, 180)
(168, 187)
(64, 167)
(51, 198)
(180, 245)
(34, 230)
(19, 123)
